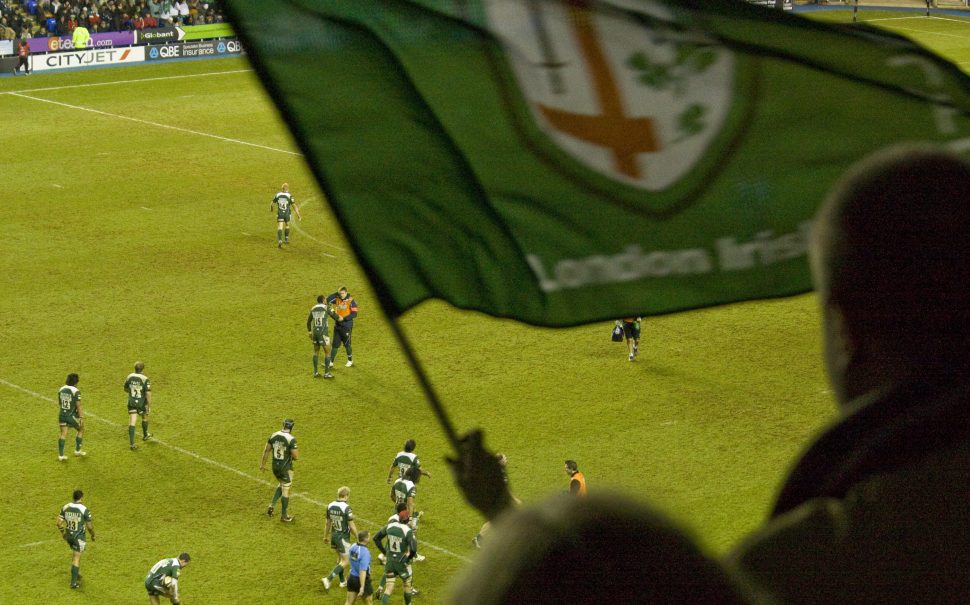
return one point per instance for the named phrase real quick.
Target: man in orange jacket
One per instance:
(577, 481)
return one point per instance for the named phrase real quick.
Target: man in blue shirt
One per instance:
(359, 582)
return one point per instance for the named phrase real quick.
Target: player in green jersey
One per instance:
(162, 579)
(71, 415)
(73, 520)
(402, 547)
(340, 528)
(283, 202)
(401, 516)
(404, 460)
(282, 444)
(139, 390)
(316, 327)
(405, 489)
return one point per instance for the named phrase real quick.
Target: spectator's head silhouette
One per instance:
(602, 549)
(891, 260)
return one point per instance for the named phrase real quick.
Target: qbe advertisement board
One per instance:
(88, 58)
(184, 50)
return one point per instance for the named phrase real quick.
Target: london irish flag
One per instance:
(566, 161)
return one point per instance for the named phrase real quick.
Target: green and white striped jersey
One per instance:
(405, 460)
(137, 386)
(282, 445)
(340, 515)
(75, 515)
(68, 398)
(400, 541)
(404, 489)
(317, 320)
(282, 201)
(165, 567)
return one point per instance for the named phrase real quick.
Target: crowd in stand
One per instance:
(33, 18)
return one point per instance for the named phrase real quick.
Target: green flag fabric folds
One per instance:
(567, 161)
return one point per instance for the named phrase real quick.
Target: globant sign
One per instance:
(89, 58)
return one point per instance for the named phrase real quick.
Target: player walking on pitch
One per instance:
(139, 390)
(401, 516)
(317, 327)
(284, 202)
(163, 579)
(404, 460)
(283, 446)
(73, 520)
(71, 415)
(401, 548)
(340, 527)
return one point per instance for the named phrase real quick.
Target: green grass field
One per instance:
(137, 226)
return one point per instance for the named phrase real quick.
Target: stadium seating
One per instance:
(34, 17)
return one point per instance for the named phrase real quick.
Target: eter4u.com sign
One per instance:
(88, 58)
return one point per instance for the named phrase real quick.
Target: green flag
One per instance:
(567, 161)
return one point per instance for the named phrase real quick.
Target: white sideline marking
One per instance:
(211, 73)
(891, 18)
(32, 544)
(308, 200)
(156, 124)
(145, 208)
(246, 234)
(56, 185)
(225, 467)
(298, 228)
(186, 130)
(923, 31)
(964, 21)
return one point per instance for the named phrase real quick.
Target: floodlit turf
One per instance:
(945, 34)
(126, 240)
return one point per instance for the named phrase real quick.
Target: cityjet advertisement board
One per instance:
(88, 58)
(194, 49)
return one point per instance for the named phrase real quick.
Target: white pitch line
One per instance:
(891, 18)
(186, 130)
(923, 31)
(32, 544)
(156, 124)
(298, 228)
(145, 208)
(211, 73)
(56, 185)
(225, 467)
(335, 247)
(964, 21)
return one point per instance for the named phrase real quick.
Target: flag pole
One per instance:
(429, 393)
